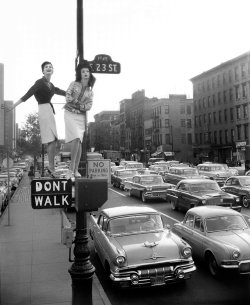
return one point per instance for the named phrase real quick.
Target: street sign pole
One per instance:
(81, 270)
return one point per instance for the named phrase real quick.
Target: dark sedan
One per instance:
(240, 186)
(190, 193)
(148, 187)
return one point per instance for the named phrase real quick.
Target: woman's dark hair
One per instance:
(46, 63)
(85, 64)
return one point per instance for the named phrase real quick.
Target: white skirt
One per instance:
(47, 123)
(74, 126)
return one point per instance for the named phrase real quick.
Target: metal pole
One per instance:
(8, 194)
(81, 270)
(42, 160)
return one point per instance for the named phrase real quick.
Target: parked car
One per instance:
(240, 186)
(176, 174)
(219, 236)
(214, 171)
(133, 165)
(147, 187)
(121, 175)
(190, 193)
(14, 181)
(3, 196)
(152, 160)
(136, 249)
(116, 167)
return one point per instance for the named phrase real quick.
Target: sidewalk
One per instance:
(33, 262)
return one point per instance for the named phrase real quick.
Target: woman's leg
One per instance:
(51, 150)
(78, 157)
(74, 153)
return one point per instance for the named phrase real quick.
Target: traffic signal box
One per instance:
(90, 194)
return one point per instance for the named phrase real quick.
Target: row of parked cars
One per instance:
(137, 247)
(14, 176)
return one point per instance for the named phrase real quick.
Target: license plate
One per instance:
(157, 280)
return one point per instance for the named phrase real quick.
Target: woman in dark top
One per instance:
(43, 90)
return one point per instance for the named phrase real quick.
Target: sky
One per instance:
(160, 44)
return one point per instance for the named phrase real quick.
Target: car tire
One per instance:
(245, 202)
(213, 266)
(173, 205)
(130, 193)
(143, 197)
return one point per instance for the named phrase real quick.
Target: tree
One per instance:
(30, 139)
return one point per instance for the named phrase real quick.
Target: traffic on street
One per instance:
(201, 288)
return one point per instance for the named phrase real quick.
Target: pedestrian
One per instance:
(79, 99)
(43, 90)
(31, 172)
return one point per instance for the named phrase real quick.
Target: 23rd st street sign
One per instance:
(50, 194)
(103, 63)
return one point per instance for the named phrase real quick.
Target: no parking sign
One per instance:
(99, 169)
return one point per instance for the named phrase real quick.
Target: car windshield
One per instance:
(208, 186)
(135, 224)
(225, 223)
(190, 171)
(126, 173)
(245, 181)
(151, 180)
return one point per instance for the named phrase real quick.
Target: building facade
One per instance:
(221, 111)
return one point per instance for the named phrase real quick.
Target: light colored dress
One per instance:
(78, 101)
(47, 123)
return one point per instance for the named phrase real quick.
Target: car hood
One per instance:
(212, 194)
(148, 248)
(234, 238)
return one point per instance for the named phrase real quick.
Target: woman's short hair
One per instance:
(81, 65)
(46, 63)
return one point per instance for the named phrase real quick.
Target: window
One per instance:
(182, 109)
(208, 102)
(204, 103)
(226, 136)
(218, 81)
(213, 83)
(230, 94)
(209, 118)
(243, 70)
(201, 142)
(183, 123)
(231, 114)
(230, 76)
(204, 118)
(238, 112)
(189, 138)
(213, 100)
(244, 90)
(196, 121)
(189, 110)
(225, 115)
(166, 123)
(224, 78)
(189, 221)
(225, 97)
(219, 116)
(208, 85)
(220, 136)
(200, 120)
(245, 131)
(238, 127)
(189, 123)
(245, 111)
(196, 138)
(167, 109)
(215, 137)
(167, 138)
(236, 73)
(214, 116)
(232, 135)
(237, 92)
(198, 225)
(219, 99)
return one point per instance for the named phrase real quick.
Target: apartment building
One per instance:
(221, 111)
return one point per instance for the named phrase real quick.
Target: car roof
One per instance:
(127, 210)
(197, 180)
(212, 211)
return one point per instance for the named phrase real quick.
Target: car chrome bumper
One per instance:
(243, 267)
(153, 277)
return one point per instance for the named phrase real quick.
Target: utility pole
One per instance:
(81, 270)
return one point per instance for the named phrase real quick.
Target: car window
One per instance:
(235, 182)
(198, 224)
(226, 223)
(189, 220)
(228, 182)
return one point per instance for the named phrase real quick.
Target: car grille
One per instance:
(244, 267)
(217, 201)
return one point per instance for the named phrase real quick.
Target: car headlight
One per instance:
(186, 252)
(203, 201)
(120, 260)
(149, 188)
(236, 254)
(237, 199)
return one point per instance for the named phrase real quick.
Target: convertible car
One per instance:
(189, 193)
(137, 250)
(240, 186)
(147, 187)
(219, 236)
